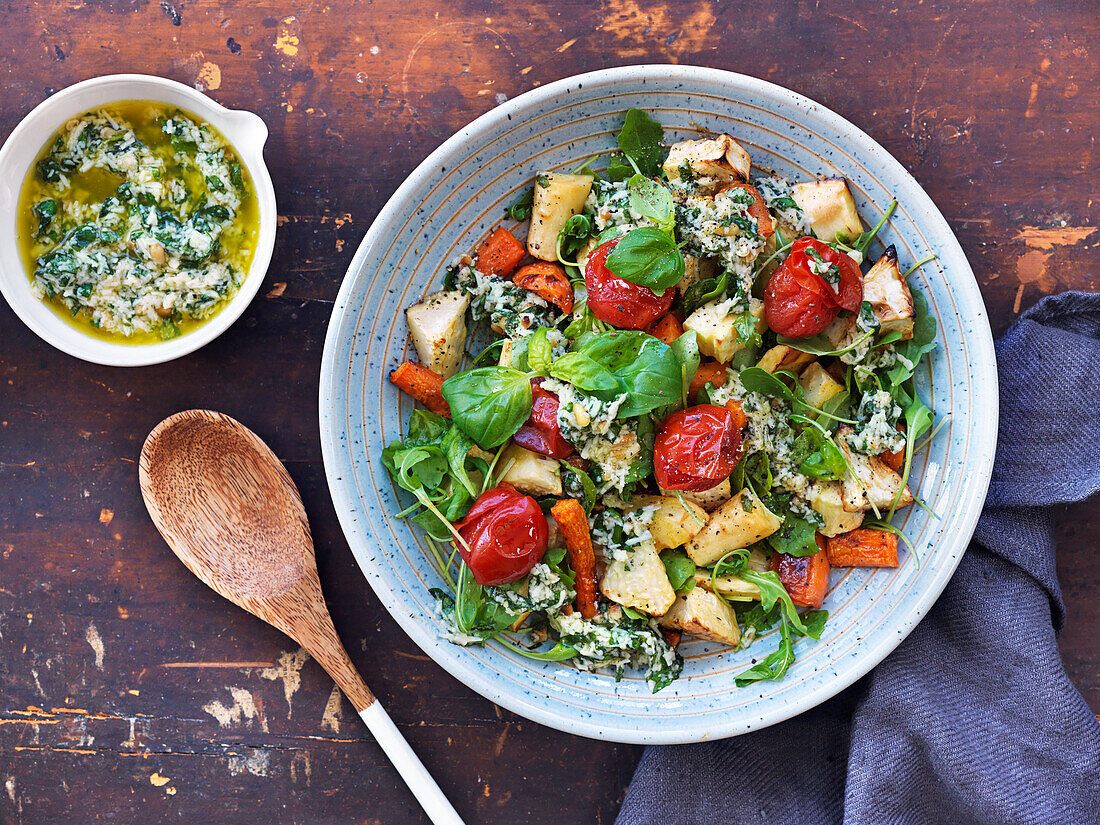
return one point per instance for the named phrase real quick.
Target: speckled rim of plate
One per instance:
(245, 131)
(359, 351)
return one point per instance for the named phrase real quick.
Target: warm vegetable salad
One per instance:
(671, 410)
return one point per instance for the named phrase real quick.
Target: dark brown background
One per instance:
(128, 692)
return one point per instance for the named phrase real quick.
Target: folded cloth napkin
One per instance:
(972, 719)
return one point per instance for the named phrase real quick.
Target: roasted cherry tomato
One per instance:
(507, 535)
(541, 433)
(758, 209)
(619, 302)
(808, 291)
(697, 448)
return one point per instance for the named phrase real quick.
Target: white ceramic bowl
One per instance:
(454, 198)
(244, 130)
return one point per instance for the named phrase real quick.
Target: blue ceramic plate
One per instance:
(451, 202)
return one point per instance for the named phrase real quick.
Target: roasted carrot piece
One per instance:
(548, 281)
(864, 547)
(668, 329)
(423, 385)
(709, 371)
(805, 577)
(573, 523)
(758, 209)
(894, 460)
(740, 420)
(500, 253)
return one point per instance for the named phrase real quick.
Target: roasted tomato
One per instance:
(541, 433)
(758, 209)
(808, 291)
(697, 448)
(619, 302)
(507, 535)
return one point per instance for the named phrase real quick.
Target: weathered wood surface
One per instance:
(131, 693)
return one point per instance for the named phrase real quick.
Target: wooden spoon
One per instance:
(227, 507)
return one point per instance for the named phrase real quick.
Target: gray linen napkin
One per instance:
(972, 719)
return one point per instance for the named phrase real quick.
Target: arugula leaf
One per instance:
(680, 570)
(745, 325)
(816, 453)
(618, 169)
(581, 371)
(758, 379)
(795, 537)
(703, 292)
(573, 236)
(820, 345)
(922, 342)
(425, 428)
(576, 483)
(862, 243)
(489, 403)
(647, 257)
(647, 368)
(652, 200)
(420, 467)
(772, 592)
(642, 467)
(558, 653)
(520, 210)
(456, 446)
(640, 142)
(777, 663)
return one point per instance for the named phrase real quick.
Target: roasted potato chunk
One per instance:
(714, 163)
(558, 197)
(741, 521)
(700, 613)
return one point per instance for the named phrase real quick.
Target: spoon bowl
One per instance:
(229, 510)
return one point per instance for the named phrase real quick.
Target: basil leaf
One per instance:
(646, 367)
(680, 570)
(652, 200)
(647, 257)
(581, 371)
(539, 352)
(489, 403)
(640, 141)
(686, 350)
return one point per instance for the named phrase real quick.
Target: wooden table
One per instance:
(130, 693)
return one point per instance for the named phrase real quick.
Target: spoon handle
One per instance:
(414, 773)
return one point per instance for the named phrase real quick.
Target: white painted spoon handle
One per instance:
(414, 773)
